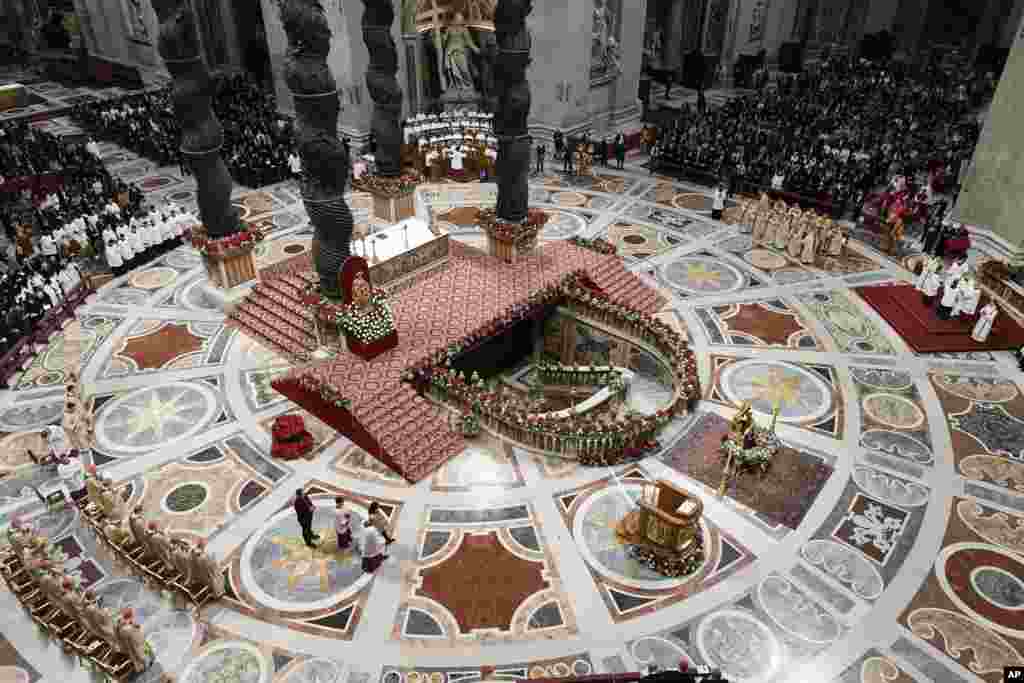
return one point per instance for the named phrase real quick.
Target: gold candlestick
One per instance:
(725, 476)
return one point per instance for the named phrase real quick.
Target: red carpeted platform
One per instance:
(903, 308)
(386, 417)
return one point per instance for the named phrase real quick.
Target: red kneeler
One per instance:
(291, 440)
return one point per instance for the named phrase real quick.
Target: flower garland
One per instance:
(669, 565)
(368, 324)
(601, 246)
(384, 186)
(224, 246)
(522, 235)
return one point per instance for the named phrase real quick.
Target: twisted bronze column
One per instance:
(382, 82)
(513, 92)
(202, 136)
(325, 162)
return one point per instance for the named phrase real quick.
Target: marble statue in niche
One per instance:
(757, 22)
(605, 57)
(458, 45)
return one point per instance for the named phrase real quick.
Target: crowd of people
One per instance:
(257, 140)
(459, 144)
(39, 288)
(49, 229)
(832, 135)
(130, 242)
(579, 154)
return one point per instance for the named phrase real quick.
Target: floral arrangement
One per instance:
(763, 445)
(368, 324)
(326, 392)
(386, 186)
(601, 246)
(669, 565)
(225, 246)
(522, 235)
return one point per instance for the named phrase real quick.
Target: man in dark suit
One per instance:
(304, 512)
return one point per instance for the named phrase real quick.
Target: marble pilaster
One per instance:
(909, 24)
(277, 48)
(348, 61)
(114, 41)
(85, 23)
(558, 85)
(1009, 25)
(412, 58)
(672, 35)
(881, 15)
(992, 198)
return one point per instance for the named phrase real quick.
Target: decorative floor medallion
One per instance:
(767, 323)
(447, 596)
(153, 417)
(968, 607)
(985, 417)
(702, 276)
(630, 590)
(275, 576)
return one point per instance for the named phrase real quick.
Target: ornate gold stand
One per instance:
(664, 529)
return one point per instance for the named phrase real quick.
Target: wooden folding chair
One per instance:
(116, 665)
(196, 593)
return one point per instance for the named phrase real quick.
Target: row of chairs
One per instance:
(66, 628)
(145, 564)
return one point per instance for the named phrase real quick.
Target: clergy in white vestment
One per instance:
(949, 296)
(986, 319)
(967, 298)
(930, 287)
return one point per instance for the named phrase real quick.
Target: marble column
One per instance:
(202, 135)
(693, 12)
(510, 120)
(992, 198)
(382, 84)
(414, 72)
(277, 48)
(672, 35)
(324, 160)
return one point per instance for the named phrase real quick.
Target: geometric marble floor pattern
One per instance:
(905, 566)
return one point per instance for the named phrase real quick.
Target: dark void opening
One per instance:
(504, 352)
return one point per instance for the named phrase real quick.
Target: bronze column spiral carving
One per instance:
(202, 136)
(513, 92)
(382, 82)
(325, 162)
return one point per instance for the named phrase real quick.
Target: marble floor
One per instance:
(899, 559)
